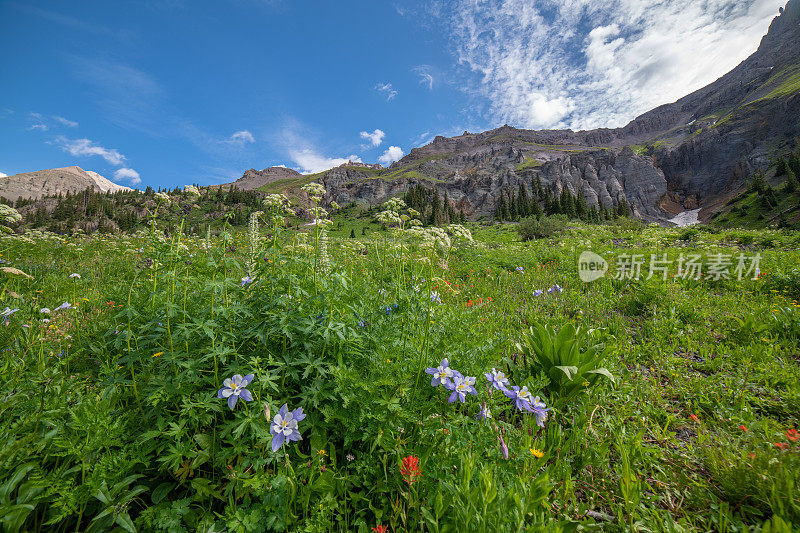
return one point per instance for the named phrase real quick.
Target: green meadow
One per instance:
(278, 379)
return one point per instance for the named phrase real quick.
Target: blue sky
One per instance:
(170, 92)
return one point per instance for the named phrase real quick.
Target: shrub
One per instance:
(541, 228)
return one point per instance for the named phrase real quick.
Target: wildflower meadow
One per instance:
(408, 379)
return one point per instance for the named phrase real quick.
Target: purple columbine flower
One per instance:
(247, 280)
(539, 411)
(484, 413)
(520, 270)
(435, 297)
(555, 288)
(461, 386)
(538, 292)
(497, 379)
(234, 388)
(521, 397)
(442, 374)
(285, 426)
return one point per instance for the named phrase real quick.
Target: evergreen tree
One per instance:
(512, 206)
(523, 201)
(791, 184)
(567, 203)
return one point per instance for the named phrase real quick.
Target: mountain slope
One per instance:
(693, 152)
(54, 181)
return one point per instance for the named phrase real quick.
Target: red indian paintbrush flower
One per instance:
(792, 434)
(380, 529)
(410, 469)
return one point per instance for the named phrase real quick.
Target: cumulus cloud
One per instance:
(2, 175)
(85, 147)
(129, 175)
(241, 137)
(65, 122)
(392, 154)
(375, 138)
(591, 63)
(425, 76)
(310, 161)
(387, 89)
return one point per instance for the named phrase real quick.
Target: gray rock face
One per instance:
(253, 179)
(54, 181)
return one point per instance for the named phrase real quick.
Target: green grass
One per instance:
(748, 210)
(530, 162)
(110, 416)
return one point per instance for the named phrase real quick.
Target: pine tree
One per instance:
(536, 211)
(567, 203)
(792, 183)
(523, 201)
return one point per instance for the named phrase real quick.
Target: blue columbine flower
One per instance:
(538, 292)
(65, 305)
(498, 379)
(555, 288)
(435, 297)
(247, 280)
(539, 411)
(521, 397)
(285, 426)
(520, 270)
(234, 388)
(461, 386)
(6, 314)
(441, 374)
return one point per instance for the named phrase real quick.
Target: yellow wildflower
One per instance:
(537, 453)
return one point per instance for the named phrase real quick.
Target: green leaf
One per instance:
(569, 371)
(603, 372)
(161, 491)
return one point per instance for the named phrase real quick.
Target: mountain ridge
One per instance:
(54, 181)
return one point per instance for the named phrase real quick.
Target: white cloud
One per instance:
(387, 89)
(311, 162)
(425, 76)
(375, 138)
(594, 63)
(65, 122)
(241, 137)
(85, 147)
(129, 175)
(422, 139)
(40, 127)
(2, 175)
(392, 154)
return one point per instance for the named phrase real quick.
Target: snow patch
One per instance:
(687, 218)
